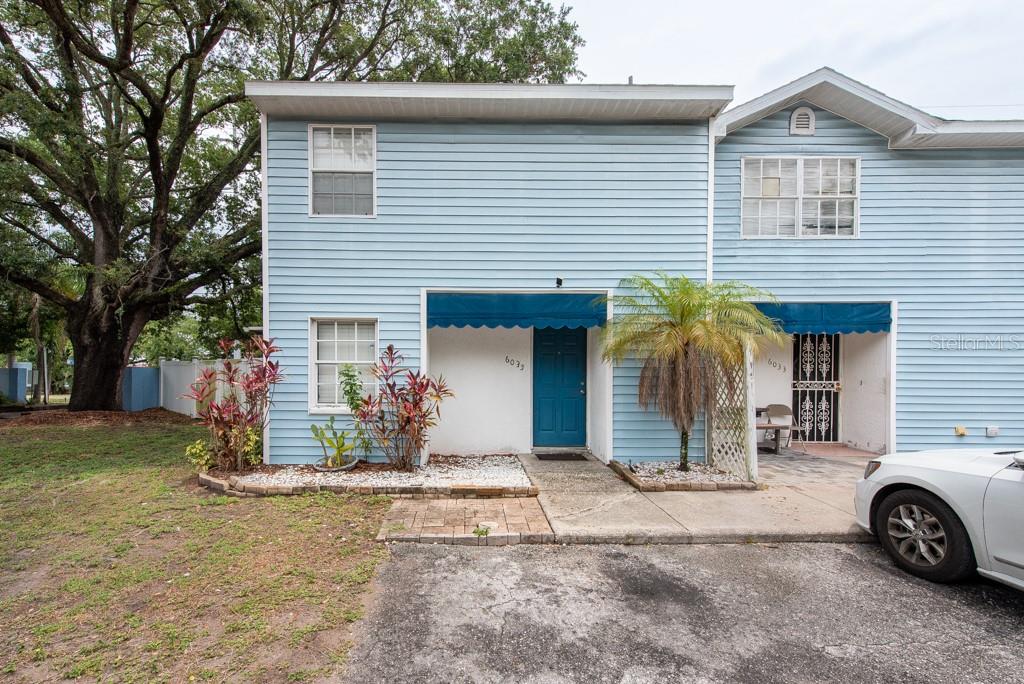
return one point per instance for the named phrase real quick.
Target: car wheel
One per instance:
(924, 536)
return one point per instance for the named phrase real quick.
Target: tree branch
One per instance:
(35, 285)
(21, 151)
(183, 288)
(36, 235)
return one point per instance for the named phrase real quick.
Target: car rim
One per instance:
(917, 535)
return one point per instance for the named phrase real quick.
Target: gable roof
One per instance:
(488, 102)
(905, 126)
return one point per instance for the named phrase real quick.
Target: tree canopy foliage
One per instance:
(128, 152)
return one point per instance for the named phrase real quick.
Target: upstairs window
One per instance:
(800, 197)
(342, 165)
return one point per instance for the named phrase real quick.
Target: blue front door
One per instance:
(560, 387)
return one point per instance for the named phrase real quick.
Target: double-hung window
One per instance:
(341, 169)
(800, 197)
(336, 343)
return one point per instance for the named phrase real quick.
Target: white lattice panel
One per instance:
(730, 428)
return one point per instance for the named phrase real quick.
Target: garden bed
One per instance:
(496, 475)
(665, 476)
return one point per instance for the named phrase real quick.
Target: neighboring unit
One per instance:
(483, 229)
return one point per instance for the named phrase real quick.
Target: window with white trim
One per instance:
(342, 164)
(800, 197)
(337, 342)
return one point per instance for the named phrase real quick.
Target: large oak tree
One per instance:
(128, 152)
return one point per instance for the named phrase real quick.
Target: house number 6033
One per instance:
(515, 363)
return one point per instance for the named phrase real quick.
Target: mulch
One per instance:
(63, 417)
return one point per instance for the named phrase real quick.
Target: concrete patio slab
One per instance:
(838, 496)
(777, 514)
(586, 502)
(597, 516)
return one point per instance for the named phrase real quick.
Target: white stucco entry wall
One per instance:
(599, 391)
(865, 375)
(773, 375)
(864, 405)
(491, 372)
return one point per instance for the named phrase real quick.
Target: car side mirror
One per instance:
(1019, 460)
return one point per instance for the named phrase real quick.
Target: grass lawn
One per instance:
(116, 566)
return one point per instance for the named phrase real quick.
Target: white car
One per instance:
(943, 514)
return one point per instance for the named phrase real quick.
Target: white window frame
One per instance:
(800, 196)
(310, 170)
(312, 392)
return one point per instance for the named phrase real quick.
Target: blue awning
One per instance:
(829, 318)
(508, 310)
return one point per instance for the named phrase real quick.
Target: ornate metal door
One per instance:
(816, 386)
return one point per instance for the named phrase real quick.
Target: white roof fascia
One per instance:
(410, 101)
(782, 97)
(908, 128)
(961, 135)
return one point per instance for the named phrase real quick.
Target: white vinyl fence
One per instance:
(176, 378)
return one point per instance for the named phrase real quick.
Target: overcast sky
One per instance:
(959, 59)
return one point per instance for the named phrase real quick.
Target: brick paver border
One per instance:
(461, 521)
(233, 486)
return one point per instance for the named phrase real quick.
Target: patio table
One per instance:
(777, 429)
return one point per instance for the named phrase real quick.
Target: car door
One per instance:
(1004, 521)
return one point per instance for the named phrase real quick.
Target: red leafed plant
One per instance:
(237, 419)
(406, 406)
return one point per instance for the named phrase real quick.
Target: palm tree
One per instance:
(683, 331)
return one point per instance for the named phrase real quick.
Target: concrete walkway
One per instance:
(586, 503)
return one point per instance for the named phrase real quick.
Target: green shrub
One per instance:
(352, 387)
(338, 443)
(199, 455)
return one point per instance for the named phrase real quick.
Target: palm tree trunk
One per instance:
(684, 450)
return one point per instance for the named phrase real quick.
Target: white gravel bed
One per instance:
(498, 470)
(668, 471)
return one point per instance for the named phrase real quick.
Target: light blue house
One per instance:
(482, 229)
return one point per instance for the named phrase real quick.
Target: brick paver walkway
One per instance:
(452, 521)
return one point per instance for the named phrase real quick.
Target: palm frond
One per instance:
(681, 330)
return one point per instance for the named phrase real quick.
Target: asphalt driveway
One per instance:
(753, 613)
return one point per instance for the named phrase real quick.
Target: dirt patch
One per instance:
(64, 417)
(115, 566)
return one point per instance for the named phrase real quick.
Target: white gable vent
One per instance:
(802, 121)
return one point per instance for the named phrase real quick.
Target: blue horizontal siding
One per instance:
(490, 206)
(941, 232)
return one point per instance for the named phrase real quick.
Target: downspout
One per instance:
(265, 240)
(709, 269)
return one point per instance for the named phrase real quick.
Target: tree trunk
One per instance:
(684, 450)
(102, 343)
(37, 339)
(37, 386)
